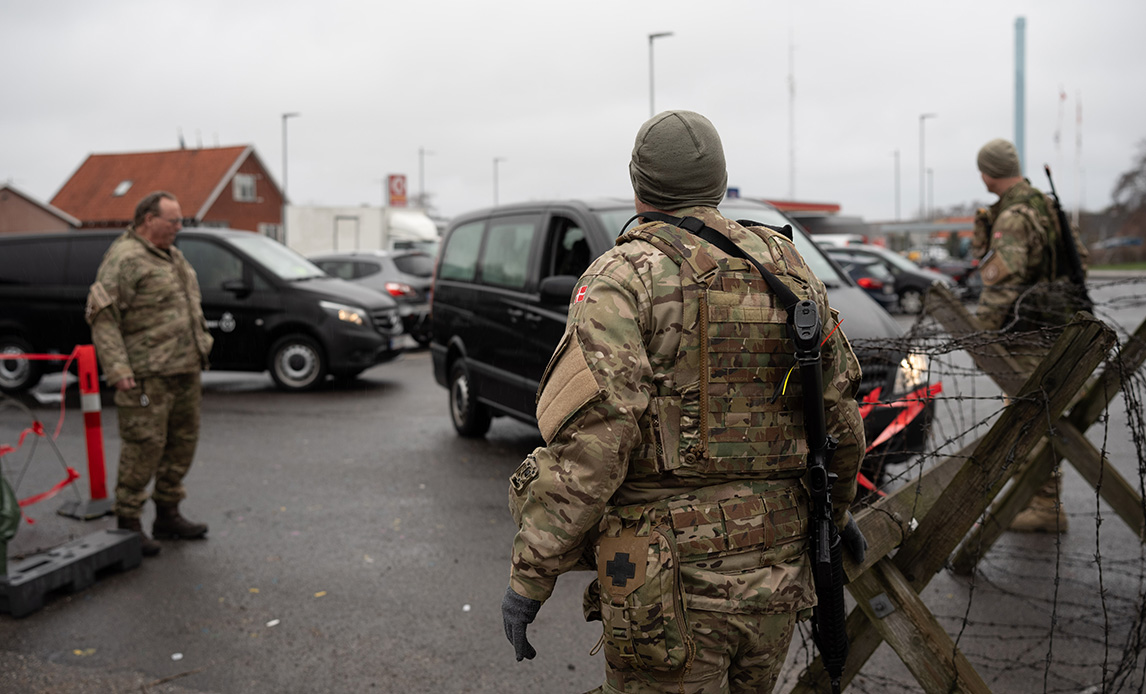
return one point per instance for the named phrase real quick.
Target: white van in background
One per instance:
(838, 239)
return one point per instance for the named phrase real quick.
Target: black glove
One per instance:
(854, 540)
(517, 613)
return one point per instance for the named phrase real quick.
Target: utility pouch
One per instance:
(642, 598)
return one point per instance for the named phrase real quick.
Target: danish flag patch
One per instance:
(581, 294)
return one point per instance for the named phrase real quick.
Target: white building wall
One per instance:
(313, 229)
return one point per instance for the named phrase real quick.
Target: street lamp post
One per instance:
(283, 228)
(930, 192)
(495, 162)
(422, 152)
(896, 154)
(922, 166)
(652, 108)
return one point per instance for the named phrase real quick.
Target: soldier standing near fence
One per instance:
(1025, 287)
(675, 446)
(152, 341)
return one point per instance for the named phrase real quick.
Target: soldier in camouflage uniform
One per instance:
(1027, 294)
(152, 341)
(675, 448)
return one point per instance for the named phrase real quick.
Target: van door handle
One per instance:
(533, 318)
(514, 313)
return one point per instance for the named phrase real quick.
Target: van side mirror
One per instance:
(237, 287)
(557, 289)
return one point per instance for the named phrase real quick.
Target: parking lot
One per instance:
(357, 544)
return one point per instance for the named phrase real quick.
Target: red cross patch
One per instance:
(581, 294)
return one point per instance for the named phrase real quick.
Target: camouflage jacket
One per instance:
(1024, 255)
(145, 311)
(620, 345)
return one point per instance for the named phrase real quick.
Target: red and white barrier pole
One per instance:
(93, 431)
(99, 505)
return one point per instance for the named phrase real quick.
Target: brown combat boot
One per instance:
(171, 525)
(149, 547)
(1045, 513)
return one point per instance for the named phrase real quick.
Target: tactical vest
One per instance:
(731, 407)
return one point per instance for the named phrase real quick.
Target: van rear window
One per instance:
(505, 260)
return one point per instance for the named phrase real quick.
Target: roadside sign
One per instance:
(396, 184)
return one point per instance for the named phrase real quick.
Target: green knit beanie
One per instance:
(678, 162)
(998, 159)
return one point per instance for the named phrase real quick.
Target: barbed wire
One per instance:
(1039, 613)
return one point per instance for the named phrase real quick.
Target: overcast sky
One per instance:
(558, 91)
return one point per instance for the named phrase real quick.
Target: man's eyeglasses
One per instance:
(177, 220)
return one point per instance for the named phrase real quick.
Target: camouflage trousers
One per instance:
(158, 431)
(735, 654)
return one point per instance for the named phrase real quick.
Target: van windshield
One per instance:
(276, 258)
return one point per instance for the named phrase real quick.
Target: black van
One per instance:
(501, 293)
(268, 308)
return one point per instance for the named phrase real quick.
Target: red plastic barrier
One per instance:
(93, 430)
(72, 477)
(912, 405)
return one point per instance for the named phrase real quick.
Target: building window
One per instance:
(121, 189)
(274, 231)
(243, 187)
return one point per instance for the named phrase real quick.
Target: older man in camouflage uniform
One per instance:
(676, 448)
(1027, 294)
(152, 341)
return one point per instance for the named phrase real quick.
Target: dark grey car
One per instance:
(911, 281)
(406, 276)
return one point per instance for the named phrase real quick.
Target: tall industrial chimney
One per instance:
(1020, 90)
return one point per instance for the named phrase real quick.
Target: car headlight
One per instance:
(911, 374)
(350, 314)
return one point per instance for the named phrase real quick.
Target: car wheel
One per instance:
(911, 301)
(470, 417)
(297, 363)
(17, 375)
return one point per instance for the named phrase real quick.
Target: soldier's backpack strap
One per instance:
(698, 228)
(700, 262)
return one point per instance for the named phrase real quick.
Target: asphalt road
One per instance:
(358, 545)
(354, 516)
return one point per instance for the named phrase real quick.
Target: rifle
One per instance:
(1074, 261)
(830, 615)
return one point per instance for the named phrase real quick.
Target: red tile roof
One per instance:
(194, 176)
